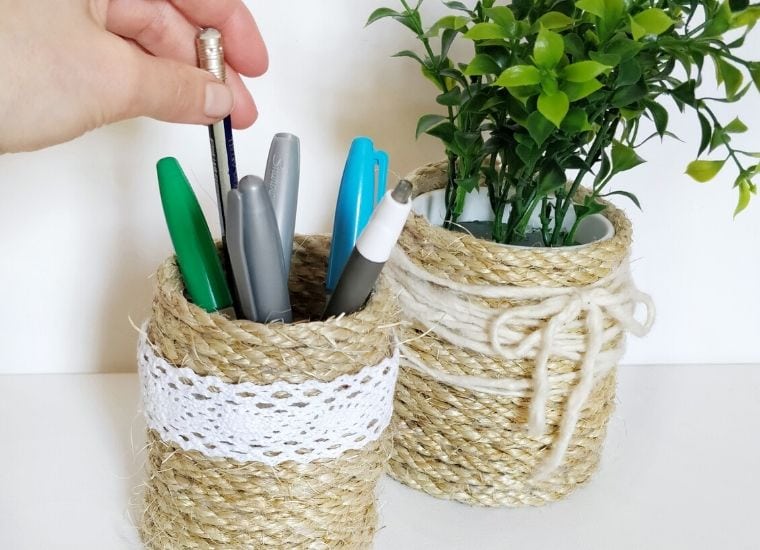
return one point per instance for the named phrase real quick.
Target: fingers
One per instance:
(168, 90)
(157, 26)
(160, 28)
(245, 112)
(243, 45)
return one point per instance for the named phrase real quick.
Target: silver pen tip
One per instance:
(402, 192)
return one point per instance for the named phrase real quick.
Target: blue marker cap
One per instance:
(359, 193)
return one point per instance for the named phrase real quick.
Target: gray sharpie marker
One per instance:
(373, 248)
(282, 178)
(256, 254)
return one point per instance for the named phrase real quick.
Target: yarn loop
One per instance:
(520, 332)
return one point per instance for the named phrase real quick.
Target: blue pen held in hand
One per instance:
(360, 191)
(210, 53)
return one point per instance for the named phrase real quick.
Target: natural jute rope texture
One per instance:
(508, 360)
(193, 501)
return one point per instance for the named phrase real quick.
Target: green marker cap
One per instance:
(196, 252)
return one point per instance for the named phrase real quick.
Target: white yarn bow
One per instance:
(447, 308)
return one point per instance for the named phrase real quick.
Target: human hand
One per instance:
(71, 66)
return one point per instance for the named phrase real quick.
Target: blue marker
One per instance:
(360, 191)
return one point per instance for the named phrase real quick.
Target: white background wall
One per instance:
(81, 226)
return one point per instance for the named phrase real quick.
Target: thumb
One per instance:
(171, 91)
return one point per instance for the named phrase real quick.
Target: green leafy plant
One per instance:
(563, 90)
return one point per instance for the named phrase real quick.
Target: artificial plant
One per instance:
(558, 90)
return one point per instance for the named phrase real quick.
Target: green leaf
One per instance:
(608, 11)
(381, 13)
(628, 94)
(609, 59)
(738, 5)
(555, 20)
(736, 126)
(604, 169)
(519, 75)
(589, 207)
(631, 113)
(428, 122)
(523, 93)
(501, 15)
(720, 23)
(526, 153)
(457, 6)
(626, 194)
(746, 18)
(451, 98)
(486, 31)
(554, 107)
(578, 90)
(482, 64)
(456, 76)
(704, 170)
(409, 20)
(431, 75)
(455, 22)
(659, 116)
(583, 71)
(550, 179)
(576, 121)
(624, 158)
(575, 46)
(549, 49)
(637, 31)
(445, 132)
(653, 21)
(549, 84)
(754, 71)
(706, 133)
(539, 127)
(745, 194)
(629, 73)
(719, 137)
(684, 93)
(468, 183)
(410, 54)
(730, 75)
(447, 39)
(595, 7)
(623, 46)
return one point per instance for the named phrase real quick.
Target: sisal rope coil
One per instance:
(508, 360)
(194, 501)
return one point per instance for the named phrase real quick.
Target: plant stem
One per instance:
(563, 205)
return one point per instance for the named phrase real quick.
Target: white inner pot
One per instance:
(477, 208)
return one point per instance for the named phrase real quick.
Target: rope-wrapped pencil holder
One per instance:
(265, 435)
(508, 358)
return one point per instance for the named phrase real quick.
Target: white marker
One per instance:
(372, 250)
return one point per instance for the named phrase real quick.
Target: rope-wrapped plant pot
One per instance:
(508, 358)
(265, 435)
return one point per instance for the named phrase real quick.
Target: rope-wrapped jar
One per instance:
(266, 436)
(508, 358)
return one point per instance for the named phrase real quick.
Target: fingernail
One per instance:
(218, 100)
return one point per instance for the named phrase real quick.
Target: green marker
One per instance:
(196, 252)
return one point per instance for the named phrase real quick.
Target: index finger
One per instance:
(244, 47)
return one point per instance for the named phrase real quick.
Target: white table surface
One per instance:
(681, 469)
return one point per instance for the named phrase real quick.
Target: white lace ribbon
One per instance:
(552, 326)
(272, 423)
